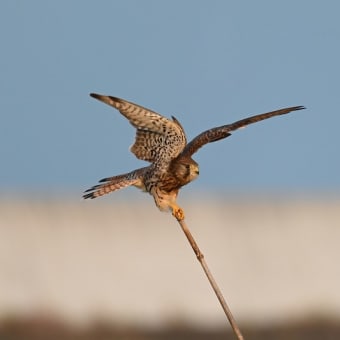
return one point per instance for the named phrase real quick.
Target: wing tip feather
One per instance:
(297, 108)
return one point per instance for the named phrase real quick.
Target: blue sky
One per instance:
(208, 63)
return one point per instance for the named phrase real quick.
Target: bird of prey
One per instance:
(162, 142)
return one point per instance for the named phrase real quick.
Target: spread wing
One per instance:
(158, 139)
(224, 131)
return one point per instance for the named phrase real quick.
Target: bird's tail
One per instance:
(114, 183)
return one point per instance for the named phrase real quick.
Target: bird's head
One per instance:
(186, 170)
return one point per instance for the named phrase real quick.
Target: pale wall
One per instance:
(274, 259)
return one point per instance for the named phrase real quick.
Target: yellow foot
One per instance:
(178, 213)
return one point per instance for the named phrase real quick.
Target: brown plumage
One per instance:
(162, 142)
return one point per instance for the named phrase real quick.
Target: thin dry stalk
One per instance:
(200, 258)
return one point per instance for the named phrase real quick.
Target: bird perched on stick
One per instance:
(162, 142)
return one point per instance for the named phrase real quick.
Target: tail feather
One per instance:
(114, 183)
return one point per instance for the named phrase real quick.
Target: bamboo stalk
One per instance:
(200, 258)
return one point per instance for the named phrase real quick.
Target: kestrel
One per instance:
(162, 142)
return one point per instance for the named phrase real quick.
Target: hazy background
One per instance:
(265, 208)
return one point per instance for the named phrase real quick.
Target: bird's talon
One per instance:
(178, 213)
